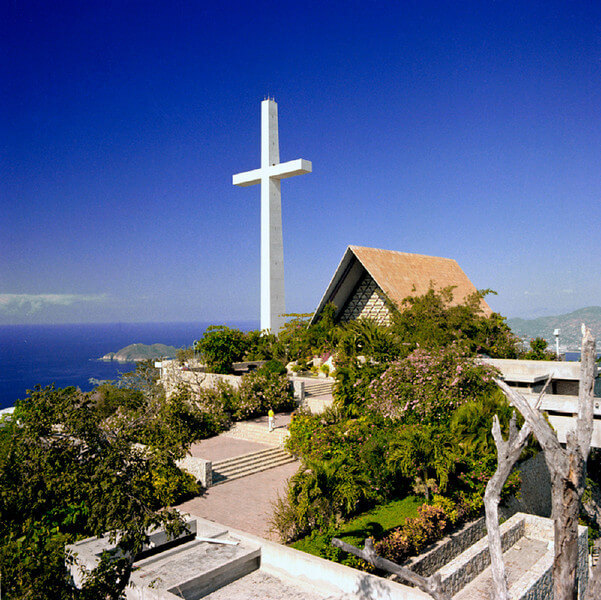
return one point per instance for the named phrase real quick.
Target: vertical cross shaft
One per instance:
(272, 245)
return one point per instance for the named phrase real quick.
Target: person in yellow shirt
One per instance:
(271, 417)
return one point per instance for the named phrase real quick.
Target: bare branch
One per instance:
(541, 429)
(586, 392)
(429, 585)
(567, 467)
(508, 452)
(543, 391)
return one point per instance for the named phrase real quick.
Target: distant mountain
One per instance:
(138, 352)
(569, 324)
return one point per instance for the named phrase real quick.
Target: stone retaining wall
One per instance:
(446, 549)
(172, 377)
(460, 571)
(536, 582)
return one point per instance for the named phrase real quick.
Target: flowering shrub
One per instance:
(428, 385)
(261, 390)
(352, 385)
(218, 402)
(415, 534)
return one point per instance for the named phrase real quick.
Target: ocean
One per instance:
(67, 355)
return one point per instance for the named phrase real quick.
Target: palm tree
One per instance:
(421, 451)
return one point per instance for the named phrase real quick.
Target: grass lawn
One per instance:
(373, 523)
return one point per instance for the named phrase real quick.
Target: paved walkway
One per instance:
(244, 503)
(282, 420)
(223, 446)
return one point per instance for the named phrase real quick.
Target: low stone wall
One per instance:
(460, 571)
(199, 468)
(534, 584)
(173, 376)
(447, 548)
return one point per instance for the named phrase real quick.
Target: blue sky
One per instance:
(468, 130)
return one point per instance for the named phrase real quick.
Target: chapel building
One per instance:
(367, 277)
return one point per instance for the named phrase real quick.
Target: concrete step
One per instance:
(248, 464)
(257, 432)
(250, 459)
(205, 570)
(318, 388)
(218, 478)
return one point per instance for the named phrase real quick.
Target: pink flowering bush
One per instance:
(428, 385)
(415, 534)
(261, 390)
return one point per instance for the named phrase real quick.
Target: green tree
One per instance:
(431, 320)
(538, 350)
(300, 340)
(68, 471)
(220, 346)
(365, 337)
(425, 453)
(261, 345)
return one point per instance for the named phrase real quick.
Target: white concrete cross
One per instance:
(273, 304)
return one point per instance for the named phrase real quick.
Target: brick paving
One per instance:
(244, 503)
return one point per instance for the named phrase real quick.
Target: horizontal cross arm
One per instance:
(290, 168)
(248, 178)
(279, 171)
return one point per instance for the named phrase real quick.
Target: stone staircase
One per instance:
(249, 464)
(318, 395)
(318, 388)
(258, 432)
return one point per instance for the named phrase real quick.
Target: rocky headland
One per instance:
(139, 352)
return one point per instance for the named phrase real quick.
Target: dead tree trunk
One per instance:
(567, 467)
(508, 453)
(430, 585)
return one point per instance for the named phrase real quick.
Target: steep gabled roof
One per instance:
(398, 274)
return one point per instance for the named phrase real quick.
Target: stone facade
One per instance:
(457, 573)
(368, 301)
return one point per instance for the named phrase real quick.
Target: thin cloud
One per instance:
(33, 303)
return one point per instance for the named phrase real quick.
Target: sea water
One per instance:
(67, 355)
